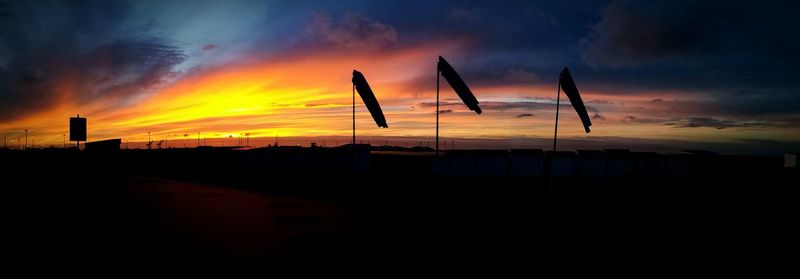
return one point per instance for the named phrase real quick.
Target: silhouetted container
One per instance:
(354, 158)
(678, 165)
(592, 164)
(526, 162)
(705, 163)
(649, 164)
(563, 163)
(790, 160)
(477, 162)
(621, 163)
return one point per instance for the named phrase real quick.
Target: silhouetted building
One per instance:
(103, 146)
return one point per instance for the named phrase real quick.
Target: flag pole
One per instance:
(558, 101)
(354, 114)
(437, 110)
(555, 135)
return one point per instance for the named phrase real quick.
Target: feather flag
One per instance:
(568, 85)
(369, 99)
(458, 85)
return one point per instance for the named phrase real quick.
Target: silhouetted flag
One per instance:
(568, 85)
(369, 99)
(458, 85)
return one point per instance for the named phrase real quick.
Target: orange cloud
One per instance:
(309, 94)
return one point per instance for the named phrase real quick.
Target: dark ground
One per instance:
(161, 213)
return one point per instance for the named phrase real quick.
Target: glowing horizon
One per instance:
(291, 78)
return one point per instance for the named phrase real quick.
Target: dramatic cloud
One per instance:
(642, 120)
(353, 31)
(524, 105)
(462, 14)
(76, 56)
(697, 122)
(677, 70)
(209, 47)
(714, 123)
(731, 58)
(632, 33)
(124, 65)
(520, 75)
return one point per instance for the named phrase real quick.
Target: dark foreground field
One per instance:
(222, 213)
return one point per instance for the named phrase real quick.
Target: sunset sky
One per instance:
(685, 71)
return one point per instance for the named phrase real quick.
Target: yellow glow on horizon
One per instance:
(310, 95)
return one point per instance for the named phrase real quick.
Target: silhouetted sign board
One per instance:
(77, 129)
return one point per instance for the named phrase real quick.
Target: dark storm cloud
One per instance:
(4, 9)
(75, 51)
(720, 59)
(506, 42)
(710, 39)
(521, 115)
(698, 48)
(633, 33)
(141, 65)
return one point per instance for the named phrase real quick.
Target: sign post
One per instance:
(77, 130)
